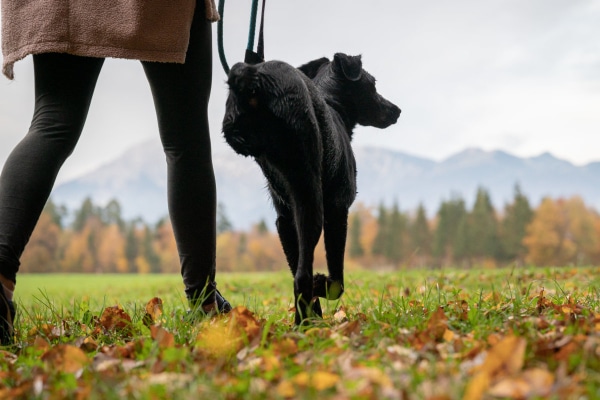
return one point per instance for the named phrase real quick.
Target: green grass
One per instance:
(402, 334)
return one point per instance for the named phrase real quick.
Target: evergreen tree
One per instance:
(223, 222)
(420, 234)
(262, 228)
(517, 216)
(355, 247)
(56, 213)
(394, 242)
(446, 235)
(111, 214)
(86, 211)
(132, 247)
(148, 251)
(379, 244)
(482, 228)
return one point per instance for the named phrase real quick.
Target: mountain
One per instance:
(138, 180)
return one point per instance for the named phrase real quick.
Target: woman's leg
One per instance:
(181, 93)
(64, 85)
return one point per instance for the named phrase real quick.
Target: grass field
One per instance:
(443, 334)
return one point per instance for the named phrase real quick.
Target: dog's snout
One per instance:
(394, 113)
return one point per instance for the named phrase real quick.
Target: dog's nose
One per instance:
(395, 113)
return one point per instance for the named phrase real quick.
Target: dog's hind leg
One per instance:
(287, 233)
(335, 230)
(308, 217)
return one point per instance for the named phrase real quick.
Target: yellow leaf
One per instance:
(508, 354)
(477, 386)
(448, 335)
(541, 381)
(320, 380)
(286, 389)
(510, 387)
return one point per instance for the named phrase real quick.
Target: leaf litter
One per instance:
(516, 342)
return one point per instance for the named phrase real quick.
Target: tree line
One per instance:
(563, 231)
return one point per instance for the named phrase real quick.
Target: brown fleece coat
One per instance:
(148, 30)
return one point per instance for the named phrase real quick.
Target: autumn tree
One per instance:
(42, 251)
(547, 240)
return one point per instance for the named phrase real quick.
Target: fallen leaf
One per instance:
(154, 310)
(65, 358)
(286, 389)
(340, 316)
(320, 380)
(160, 335)
(510, 387)
(115, 318)
(477, 386)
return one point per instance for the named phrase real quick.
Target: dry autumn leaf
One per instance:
(154, 310)
(160, 335)
(115, 318)
(320, 380)
(225, 337)
(65, 358)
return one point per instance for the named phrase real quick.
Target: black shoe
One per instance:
(7, 315)
(222, 304)
(204, 308)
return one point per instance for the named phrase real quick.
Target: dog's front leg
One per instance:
(308, 215)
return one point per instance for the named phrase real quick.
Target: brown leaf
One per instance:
(154, 310)
(65, 358)
(160, 335)
(89, 345)
(39, 343)
(285, 347)
(349, 328)
(115, 318)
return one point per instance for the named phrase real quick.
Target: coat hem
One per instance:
(86, 50)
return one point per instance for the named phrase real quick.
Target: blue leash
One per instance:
(251, 57)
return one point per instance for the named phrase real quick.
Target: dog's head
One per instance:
(348, 86)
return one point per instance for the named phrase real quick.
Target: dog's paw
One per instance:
(324, 286)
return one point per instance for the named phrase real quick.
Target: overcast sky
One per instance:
(520, 76)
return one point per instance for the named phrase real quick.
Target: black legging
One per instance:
(64, 85)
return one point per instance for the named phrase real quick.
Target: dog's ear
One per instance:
(311, 68)
(349, 66)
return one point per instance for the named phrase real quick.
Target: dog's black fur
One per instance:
(297, 124)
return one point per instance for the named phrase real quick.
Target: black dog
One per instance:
(297, 124)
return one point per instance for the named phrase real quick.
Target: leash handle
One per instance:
(222, 57)
(251, 57)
